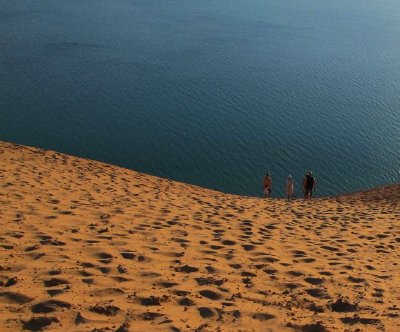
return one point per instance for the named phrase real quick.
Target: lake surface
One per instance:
(213, 93)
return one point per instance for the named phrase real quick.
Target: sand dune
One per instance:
(86, 246)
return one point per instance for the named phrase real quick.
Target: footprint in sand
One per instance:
(55, 282)
(186, 302)
(186, 269)
(248, 247)
(153, 300)
(104, 258)
(50, 306)
(38, 323)
(205, 312)
(314, 281)
(109, 310)
(14, 297)
(210, 295)
(167, 284)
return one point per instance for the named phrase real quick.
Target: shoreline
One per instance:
(366, 190)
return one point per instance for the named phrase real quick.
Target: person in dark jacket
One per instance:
(309, 184)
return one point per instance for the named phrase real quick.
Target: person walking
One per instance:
(267, 185)
(289, 188)
(309, 184)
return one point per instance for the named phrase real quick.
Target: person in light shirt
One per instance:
(289, 188)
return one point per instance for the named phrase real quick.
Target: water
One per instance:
(213, 93)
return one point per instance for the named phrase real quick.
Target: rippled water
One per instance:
(213, 93)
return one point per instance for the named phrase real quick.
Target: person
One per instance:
(289, 188)
(309, 184)
(267, 184)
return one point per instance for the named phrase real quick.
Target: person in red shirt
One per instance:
(267, 184)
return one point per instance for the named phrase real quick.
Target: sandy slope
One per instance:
(85, 246)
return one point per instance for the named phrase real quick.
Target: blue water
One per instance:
(213, 93)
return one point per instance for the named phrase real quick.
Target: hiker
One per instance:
(309, 184)
(289, 188)
(267, 184)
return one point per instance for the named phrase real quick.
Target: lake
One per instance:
(212, 93)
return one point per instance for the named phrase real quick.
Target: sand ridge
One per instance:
(86, 246)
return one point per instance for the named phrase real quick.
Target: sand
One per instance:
(86, 246)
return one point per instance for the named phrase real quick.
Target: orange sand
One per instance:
(88, 246)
